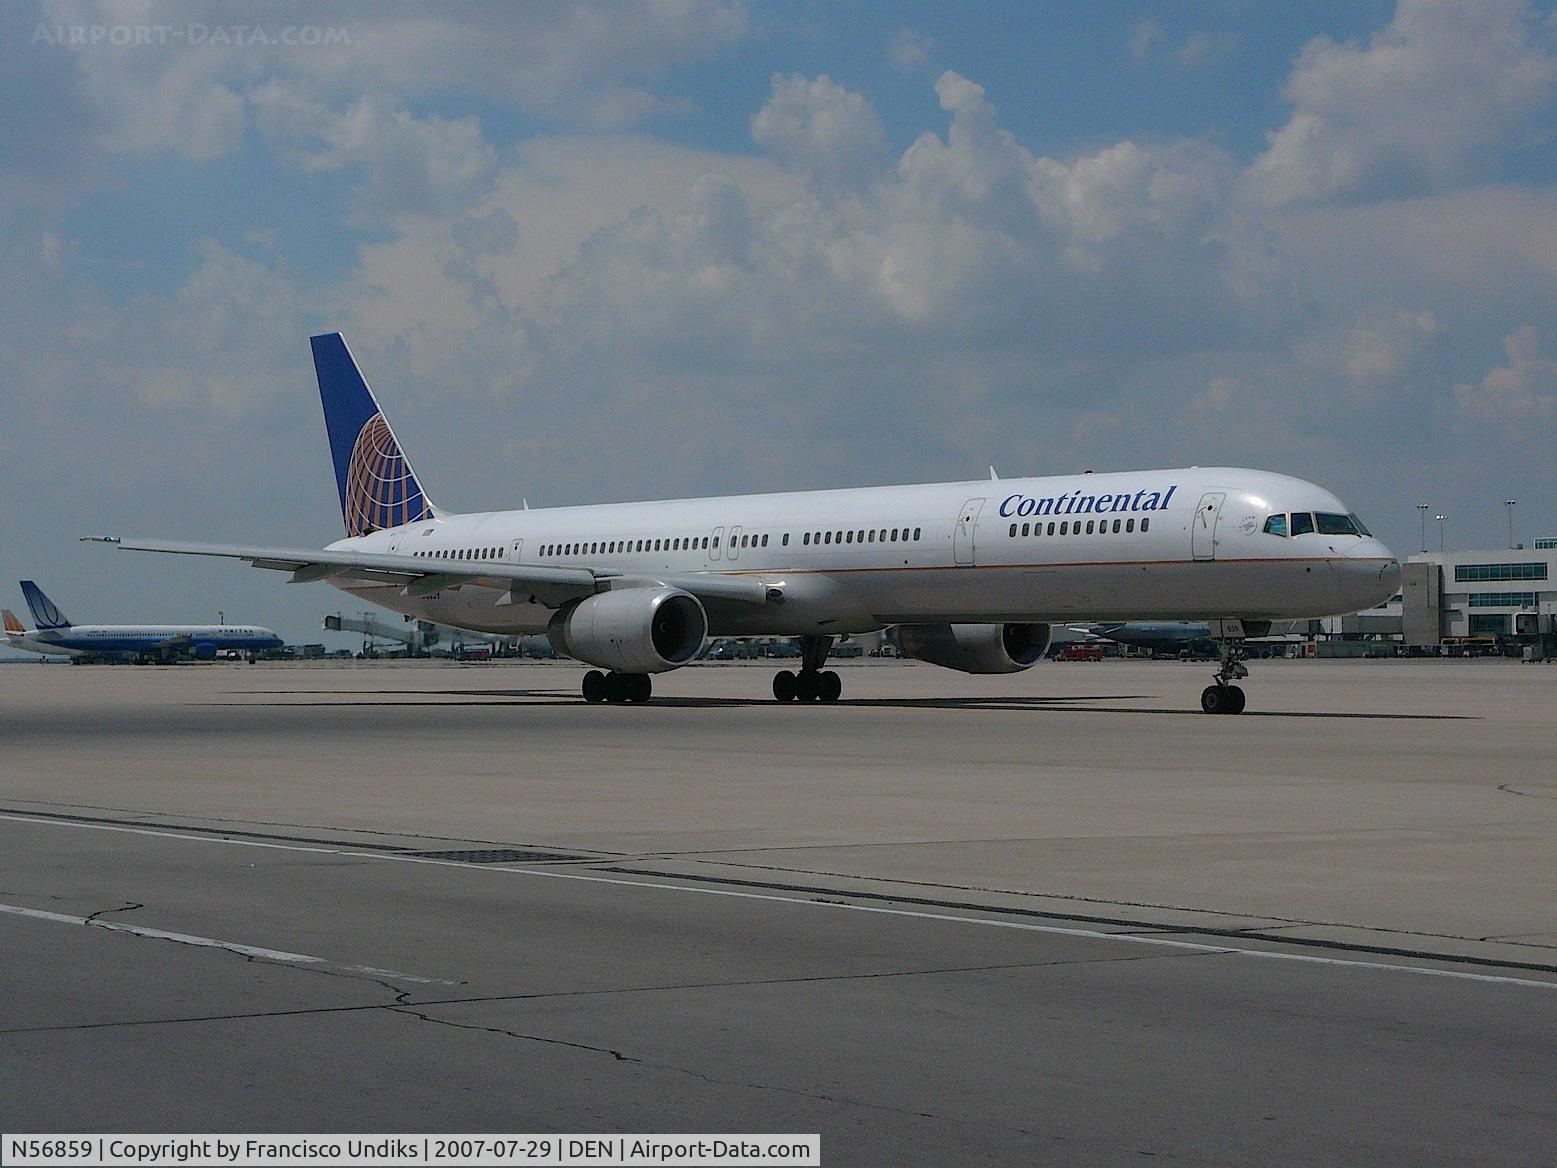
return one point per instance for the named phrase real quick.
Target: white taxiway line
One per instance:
(280, 955)
(798, 902)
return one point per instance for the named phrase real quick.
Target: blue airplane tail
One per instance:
(377, 486)
(44, 610)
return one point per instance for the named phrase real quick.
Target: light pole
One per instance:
(1422, 509)
(1508, 505)
(1440, 519)
(221, 617)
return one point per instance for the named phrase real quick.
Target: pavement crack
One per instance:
(127, 906)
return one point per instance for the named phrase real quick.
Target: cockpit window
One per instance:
(1361, 530)
(1302, 522)
(1336, 524)
(1276, 525)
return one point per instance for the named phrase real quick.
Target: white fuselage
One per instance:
(1166, 544)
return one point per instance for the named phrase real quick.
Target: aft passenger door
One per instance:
(1202, 537)
(964, 548)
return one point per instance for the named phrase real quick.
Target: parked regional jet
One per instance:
(56, 635)
(971, 572)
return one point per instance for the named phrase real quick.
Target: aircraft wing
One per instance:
(417, 576)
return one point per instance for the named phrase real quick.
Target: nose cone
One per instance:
(1370, 573)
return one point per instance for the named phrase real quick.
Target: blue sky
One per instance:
(600, 252)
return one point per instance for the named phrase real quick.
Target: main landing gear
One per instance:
(617, 687)
(812, 683)
(1223, 697)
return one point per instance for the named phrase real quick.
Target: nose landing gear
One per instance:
(1223, 697)
(812, 683)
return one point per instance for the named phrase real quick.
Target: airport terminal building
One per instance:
(1462, 598)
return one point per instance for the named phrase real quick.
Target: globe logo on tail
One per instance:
(381, 491)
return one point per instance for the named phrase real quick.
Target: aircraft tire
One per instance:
(806, 685)
(829, 686)
(785, 686)
(639, 687)
(1222, 699)
(594, 686)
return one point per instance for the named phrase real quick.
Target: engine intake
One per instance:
(632, 630)
(1008, 648)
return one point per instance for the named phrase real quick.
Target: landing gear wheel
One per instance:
(639, 687)
(806, 686)
(1222, 699)
(785, 686)
(828, 686)
(616, 687)
(594, 686)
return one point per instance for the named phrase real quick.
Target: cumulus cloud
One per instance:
(908, 49)
(1517, 399)
(819, 128)
(1444, 87)
(409, 165)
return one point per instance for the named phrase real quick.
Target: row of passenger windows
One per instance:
(886, 535)
(486, 553)
(702, 543)
(1073, 527)
(1308, 522)
(611, 547)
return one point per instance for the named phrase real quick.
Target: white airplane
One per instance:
(56, 635)
(972, 572)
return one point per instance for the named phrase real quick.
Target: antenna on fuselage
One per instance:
(992, 475)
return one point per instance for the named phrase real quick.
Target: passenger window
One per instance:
(1145, 523)
(1065, 527)
(1025, 528)
(764, 540)
(805, 539)
(1089, 526)
(870, 536)
(1276, 525)
(1012, 532)
(1302, 523)
(848, 537)
(1116, 527)
(862, 537)
(1129, 525)
(786, 539)
(883, 535)
(1051, 528)
(827, 537)
(917, 530)
(705, 541)
(894, 535)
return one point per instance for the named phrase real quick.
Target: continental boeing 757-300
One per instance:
(972, 573)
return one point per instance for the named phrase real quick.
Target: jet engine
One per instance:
(975, 648)
(631, 630)
(203, 651)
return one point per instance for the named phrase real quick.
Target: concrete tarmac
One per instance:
(1057, 917)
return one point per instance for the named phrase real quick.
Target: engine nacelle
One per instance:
(203, 651)
(975, 648)
(632, 630)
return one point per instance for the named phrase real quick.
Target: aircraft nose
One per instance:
(1372, 570)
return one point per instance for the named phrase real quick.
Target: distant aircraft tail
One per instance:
(13, 627)
(378, 488)
(44, 610)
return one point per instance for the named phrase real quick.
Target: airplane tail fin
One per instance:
(13, 627)
(44, 610)
(377, 486)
